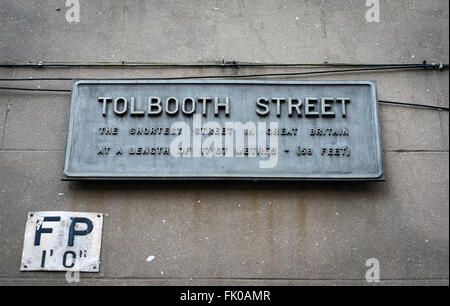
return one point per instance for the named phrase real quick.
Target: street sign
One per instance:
(217, 129)
(62, 241)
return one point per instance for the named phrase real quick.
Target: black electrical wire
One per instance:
(381, 68)
(379, 101)
(35, 89)
(204, 65)
(440, 108)
(370, 68)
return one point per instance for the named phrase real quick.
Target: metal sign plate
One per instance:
(216, 129)
(62, 241)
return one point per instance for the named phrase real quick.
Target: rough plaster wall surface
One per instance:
(233, 233)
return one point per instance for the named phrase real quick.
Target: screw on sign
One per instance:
(62, 241)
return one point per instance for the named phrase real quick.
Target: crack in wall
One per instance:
(124, 33)
(323, 19)
(8, 108)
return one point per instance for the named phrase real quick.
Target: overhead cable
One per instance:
(440, 108)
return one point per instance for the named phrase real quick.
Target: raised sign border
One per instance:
(66, 176)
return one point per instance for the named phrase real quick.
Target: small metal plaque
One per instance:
(62, 241)
(221, 129)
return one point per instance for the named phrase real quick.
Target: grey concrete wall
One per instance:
(234, 233)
